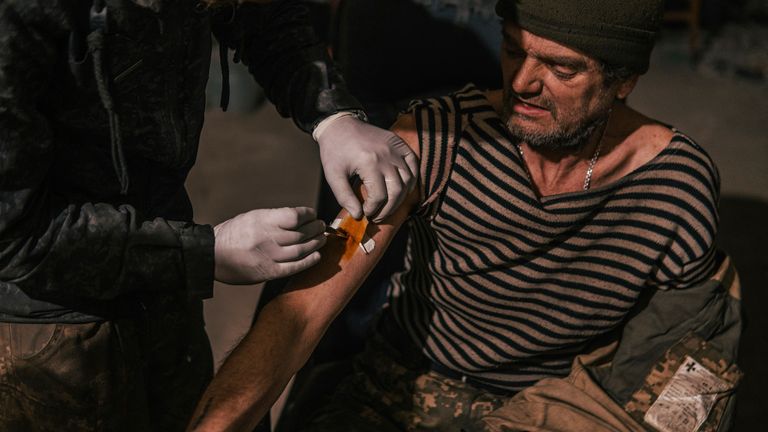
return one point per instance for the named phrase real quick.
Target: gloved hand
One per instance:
(266, 244)
(385, 164)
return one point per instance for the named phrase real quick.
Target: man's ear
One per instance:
(626, 87)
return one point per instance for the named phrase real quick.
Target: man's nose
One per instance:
(527, 78)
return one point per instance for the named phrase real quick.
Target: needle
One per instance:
(330, 231)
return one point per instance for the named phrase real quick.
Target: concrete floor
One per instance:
(259, 160)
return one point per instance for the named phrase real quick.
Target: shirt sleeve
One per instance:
(440, 124)
(690, 185)
(52, 246)
(278, 44)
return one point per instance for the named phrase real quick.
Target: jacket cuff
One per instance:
(329, 102)
(197, 243)
(317, 92)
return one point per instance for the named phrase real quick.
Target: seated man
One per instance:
(561, 272)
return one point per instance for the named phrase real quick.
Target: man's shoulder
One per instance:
(683, 159)
(678, 169)
(643, 137)
(651, 143)
(688, 152)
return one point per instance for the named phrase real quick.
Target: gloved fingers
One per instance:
(400, 146)
(292, 217)
(375, 185)
(342, 190)
(301, 234)
(413, 170)
(407, 163)
(300, 250)
(284, 269)
(396, 192)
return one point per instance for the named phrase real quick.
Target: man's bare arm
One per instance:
(289, 328)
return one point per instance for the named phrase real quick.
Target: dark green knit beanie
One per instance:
(620, 33)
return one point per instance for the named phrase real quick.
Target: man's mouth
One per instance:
(528, 109)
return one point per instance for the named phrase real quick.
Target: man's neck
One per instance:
(563, 170)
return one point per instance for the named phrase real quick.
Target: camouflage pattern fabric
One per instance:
(708, 356)
(391, 390)
(577, 403)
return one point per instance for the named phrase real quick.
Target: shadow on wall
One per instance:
(744, 235)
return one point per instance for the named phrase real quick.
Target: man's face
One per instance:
(554, 96)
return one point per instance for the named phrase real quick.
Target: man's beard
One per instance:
(560, 137)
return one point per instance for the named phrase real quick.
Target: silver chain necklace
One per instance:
(592, 161)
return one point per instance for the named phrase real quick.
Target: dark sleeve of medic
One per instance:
(278, 44)
(50, 247)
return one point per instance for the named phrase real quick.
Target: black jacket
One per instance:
(100, 117)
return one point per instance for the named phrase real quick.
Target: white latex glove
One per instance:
(266, 244)
(385, 164)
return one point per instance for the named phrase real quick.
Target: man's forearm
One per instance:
(285, 333)
(256, 372)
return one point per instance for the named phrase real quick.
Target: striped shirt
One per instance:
(506, 287)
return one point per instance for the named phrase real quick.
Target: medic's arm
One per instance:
(277, 42)
(54, 246)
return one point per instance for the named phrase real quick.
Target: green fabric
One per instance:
(703, 321)
(618, 33)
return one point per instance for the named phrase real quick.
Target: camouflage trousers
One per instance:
(393, 389)
(139, 374)
(386, 394)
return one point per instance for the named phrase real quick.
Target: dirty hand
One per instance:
(385, 164)
(266, 244)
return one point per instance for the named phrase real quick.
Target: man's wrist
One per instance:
(323, 124)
